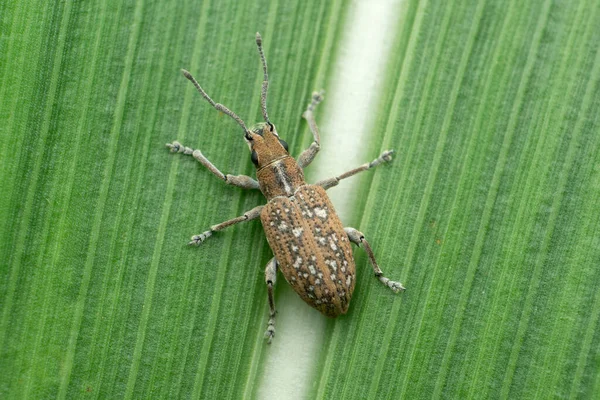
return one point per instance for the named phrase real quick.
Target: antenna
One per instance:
(218, 106)
(265, 84)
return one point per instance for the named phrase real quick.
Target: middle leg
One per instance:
(248, 216)
(386, 156)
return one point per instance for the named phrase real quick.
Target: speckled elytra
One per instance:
(310, 245)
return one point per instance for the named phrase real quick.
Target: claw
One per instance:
(197, 240)
(174, 147)
(395, 286)
(270, 332)
(269, 335)
(387, 155)
(318, 97)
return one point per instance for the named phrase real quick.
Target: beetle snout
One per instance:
(265, 144)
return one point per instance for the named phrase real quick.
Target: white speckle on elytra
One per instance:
(312, 296)
(311, 288)
(295, 248)
(322, 241)
(320, 212)
(348, 280)
(312, 199)
(287, 210)
(313, 258)
(297, 231)
(278, 211)
(305, 275)
(343, 269)
(298, 262)
(320, 275)
(282, 226)
(333, 246)
(335, 239)
(333, 277)
(318, 230)
(272, 223)
(312, 269)
(293, 279)
(317, 281)
(334, 265)
(345, 263)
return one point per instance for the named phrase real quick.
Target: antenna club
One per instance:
(258, 39)
(187, 74)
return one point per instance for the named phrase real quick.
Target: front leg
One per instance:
(242, 181)
(386, 156)
(309, 154)
(248, 216)
(358, 239)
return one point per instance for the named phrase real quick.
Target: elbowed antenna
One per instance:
(218, 106)
(265, 84)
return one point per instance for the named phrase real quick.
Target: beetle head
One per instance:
(265, 144)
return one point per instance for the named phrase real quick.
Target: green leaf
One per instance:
(488, 214)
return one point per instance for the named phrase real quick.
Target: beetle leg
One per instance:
(358, 238)
(270, 279)
(242, 181)
(309, 154)
(386, 156)
(248, 216)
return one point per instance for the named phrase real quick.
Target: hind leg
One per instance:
(358, 238)
(270, 278)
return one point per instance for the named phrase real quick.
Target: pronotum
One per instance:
(310, 245)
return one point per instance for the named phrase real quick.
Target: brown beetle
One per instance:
(310, 245)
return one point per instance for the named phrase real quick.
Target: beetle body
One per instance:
(313, 251)
(310, 245)
(302, 228)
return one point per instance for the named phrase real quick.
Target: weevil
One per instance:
(310, 245)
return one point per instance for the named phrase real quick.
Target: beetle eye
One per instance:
(284, 144)
(254, 158)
